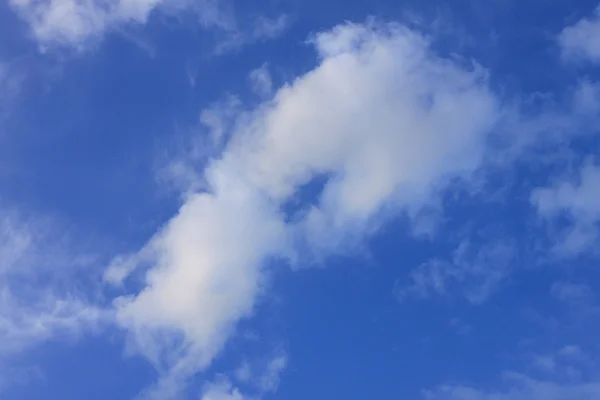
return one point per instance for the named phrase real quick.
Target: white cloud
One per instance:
(578, 200)
(222, 390)
(207, 276)
(522, 388)
(260, 81)
(390, 124)
(270, 28)
(26, 323)
(545, 362)
(16, 241)
(73, 22)
(571, 351)
(260, 29)
(570, 292)
(262, 375)
(560, 378)
(400, 129)
(244, 372)
(32, 258)
(475, 272)
(586, 99)
(269, 381)
(581, 40)
(38, 301)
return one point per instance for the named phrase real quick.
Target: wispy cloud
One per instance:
(79, 24)
(571, 292)
(560, 379)
(26, 323)
(33, 305)
(522, 388)
(474, 272)
(575, 198)
(260, 81)
(74, 23)
(580, 41)
(221, 390)
(11, 80)
(259, 29)
(262, 375)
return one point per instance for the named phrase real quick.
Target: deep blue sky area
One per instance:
(228, 200)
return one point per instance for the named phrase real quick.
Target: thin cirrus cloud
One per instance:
(572, 293)
(260, 29)
(11, 80)
(387, 120)
(34, 255)
(475, 273)
(522, 388)
(558, 377)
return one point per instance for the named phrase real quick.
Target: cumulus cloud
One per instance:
(580, 41)
(577, 199)
(208, 272)
(382, 117)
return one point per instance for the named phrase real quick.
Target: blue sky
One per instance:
(227, 200)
